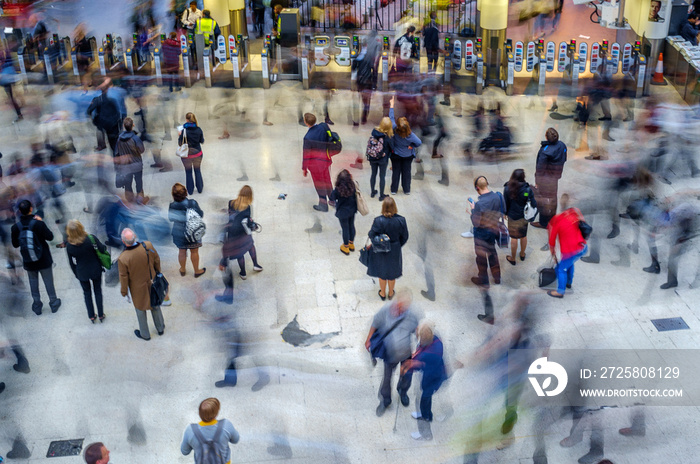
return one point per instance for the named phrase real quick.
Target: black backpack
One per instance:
(211, 452)
(29, 246)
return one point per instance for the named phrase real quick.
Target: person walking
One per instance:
(405, 143)
(30, 235)
(344, 196)
(316, 159)
(486, 213)
(86, 265)
(431, 42)
(128, 162)
(106, 116)
(365, 65)
(171, 60)
(380, 148)
(548, 170)
(566, 227)
(517, 194)
(238, 238)
(177, 214)
(388, 267)
(209, 433)
(395, 322)
(405, 51)
(189, 20)
(138, 263)
(193, 161)
(428, 359)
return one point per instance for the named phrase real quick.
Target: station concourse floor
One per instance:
(100, 383)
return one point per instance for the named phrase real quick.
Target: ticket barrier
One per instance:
(510, 72)
(479, 73)
(416, 62)
(239, 55)
(539, 74)
(48, 66)
(354, 50)
(186, 57)
(157, 60)
(21, 57)
(640, 74)
(265, 60)
(385, 63)
(329, 60)
(206, 63)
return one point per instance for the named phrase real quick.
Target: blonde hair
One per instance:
(75, 232)
(244, 199)
(386, 127)
(209, 409)
(425, 333)
(191, 117)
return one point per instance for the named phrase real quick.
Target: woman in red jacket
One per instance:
(572, 245)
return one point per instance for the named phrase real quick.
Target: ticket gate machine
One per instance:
(479, 57)
(48, 66)
(448, 61)
(265, 59)
(385, 63)
(640, 67)
(354, 50)
(185, 50)
(416, 62)
(539, 71)
(510, 67)
(343, 44)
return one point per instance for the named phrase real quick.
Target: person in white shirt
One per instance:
(189, 21)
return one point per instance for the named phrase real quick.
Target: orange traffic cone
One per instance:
(658, 78)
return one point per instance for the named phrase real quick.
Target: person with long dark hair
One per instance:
(345, 208)
(517, 193)
(193, 161)
(383, 133)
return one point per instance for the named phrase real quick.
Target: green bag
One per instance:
(103, 256)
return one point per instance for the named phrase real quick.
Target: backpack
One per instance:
(106, 112)
(405, 48)
(194, 226)
(335, 145)
(211, 454)
(375, 148)
(29, 246)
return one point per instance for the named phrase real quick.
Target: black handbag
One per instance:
(381, 244)
(548, 273)
(365, 252)
(585, 229)
(159, 284)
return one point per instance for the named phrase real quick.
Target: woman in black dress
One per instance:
(517, 193)
(177, 214)
(86, 265)
(388, 266)
(345, 208)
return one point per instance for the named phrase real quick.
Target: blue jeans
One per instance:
(565, 269)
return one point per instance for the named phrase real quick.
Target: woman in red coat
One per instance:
(572, 245)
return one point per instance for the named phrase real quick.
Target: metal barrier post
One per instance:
(641, 74)
(479, 73)
(74, 60)
(265, 68)
(186, 68)
(510, 74)
(47, 65)
(156, 61)
(542, 69)
(129, 61)
(207, 68)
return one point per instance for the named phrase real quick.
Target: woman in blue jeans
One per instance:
(405, 143)
(193, 161)
(566, 227)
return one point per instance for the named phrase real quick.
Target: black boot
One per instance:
(614, 232)
(654, 268)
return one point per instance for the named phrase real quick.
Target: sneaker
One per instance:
(166, 302)
(243, 276)
(467, 234)
(416, 415)
(257, 268)
(393, 193)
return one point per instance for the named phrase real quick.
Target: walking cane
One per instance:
(396, 419)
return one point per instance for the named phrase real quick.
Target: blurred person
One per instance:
(517, 194)
(689, 29)
(405, 144)
(258, 7)
(177, 214)
(565, 226)
(316, 159)
(684, 225)
(431, 42)
(379, 158)
(85, 265)
(195, 139)
(209, 438)
(485, 215)
(388, 266)
(96, 453)
(106, 116)
(8, 76)
(171, 61)
(428, 359)
(31, 235)
(137, 264)
(47, 180)
(395, 322)
(366, 65)
(549, 168)
(83, 53)
(405, 51)
(238, 238)
(345, 198)
(128, 162)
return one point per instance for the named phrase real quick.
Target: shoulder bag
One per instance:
(376, 343)
(183, 151)
(104, 258)
(502, 235)
(159, 285)
(529, 211)
(361, 202)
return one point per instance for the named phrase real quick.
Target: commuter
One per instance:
(189, 21)
(171, 60)
(549, 168)
(138, 264)
(405, 143)
(572, 245)
(689, 29)
(96, 453)
(485, 214)
(259, 16)
(316, 159)
(106, 116)
(128, 162)
(345, 200)
(517, 194)
(396, 322)
(428, 359)
(379, 158)
(209, 28)
(86, 265)
(210, 437)
(388, 266)
(195, 139)
(184, 238)
(238, 238)
(30, 235)
(8, 76)
(431, 42)
(365, 65)
(405, 51)
(683, 223)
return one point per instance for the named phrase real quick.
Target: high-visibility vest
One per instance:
(205, 26)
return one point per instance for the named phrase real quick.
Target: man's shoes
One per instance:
(157, 165)
(669, 284)
(591, 457)
(444, 182)
(632, 432)
(418, 436)
(23, 368)
(381, 409)
(569, 441)
(590, 259)
(404, 399)
(322, 208)
(165, 169)
(614, 232)
(329, 122)
(467, 234)
(138, 335)
(605, 118)
(55, 305)
(161, 332)
(224, 299)
(168, 302)
(485, 318)
(653, 269)
(267, 123)
(437, 155)
(223, 383)
(382, 197)
(479, 282)
(37, 311)
(428, 295)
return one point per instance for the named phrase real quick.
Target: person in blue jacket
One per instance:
(405, 143)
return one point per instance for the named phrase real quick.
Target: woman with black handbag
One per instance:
(387, 266)
(86, 266)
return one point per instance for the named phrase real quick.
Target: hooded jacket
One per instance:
(129, 149)
(551, 159)
(388, 145)
(195, 138)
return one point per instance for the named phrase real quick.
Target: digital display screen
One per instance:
(321, 41)
(341, 42)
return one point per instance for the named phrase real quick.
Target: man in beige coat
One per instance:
(136, 268)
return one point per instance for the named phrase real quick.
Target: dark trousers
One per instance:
(11, 96)
(366, 96)
(674, 256)
(426, 404)
(486, 256)
(546, 194)
(432, 60)
(320, 173)
(381, 167)
(112, 136)
(130, 178)
(87, 293)
(259, 15)
(47, 277)
(193, 164)
(402, 387)
(401, 169)
(348, 227)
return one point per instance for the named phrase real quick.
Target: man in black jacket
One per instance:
(33, 264)
(431, 42)
(128, 162)
(107, 117)
(548, 170)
